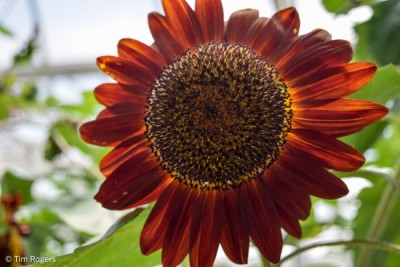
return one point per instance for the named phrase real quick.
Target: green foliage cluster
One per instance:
(377, 217)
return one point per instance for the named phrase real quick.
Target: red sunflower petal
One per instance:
(277, 33)
(142, 53)
(300, 43)
(109, 94)
(122, 153)
(324, 149)
(262, 220)
(155, 194)
(138, 192)
(176, 241)
(205, 232)
(287, 196)
(314, 58)
(335, 82)
(289, 223)
(314, 179)
(211, 18)
(123, 108)
(184, 22)
(126, 71)
(254, 30)
(164, 37)
(238, 23)
(111, 131)
(131, 181)
(235, 238)
(340, 117)
(155, 228)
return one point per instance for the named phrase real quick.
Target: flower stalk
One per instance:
(381, 216)
(378, 245)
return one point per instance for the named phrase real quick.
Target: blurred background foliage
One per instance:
(31, 224)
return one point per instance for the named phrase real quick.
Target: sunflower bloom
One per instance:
(230, 127)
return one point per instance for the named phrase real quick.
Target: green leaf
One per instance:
(372, 173)
(388, 149)
(362, 50)
(29, 92)
(6, 32)
(343, 6)
(11, 183)
(69, 132)
(9, 103)
(367, 137)
(119, 249)
(41, 224)
(25, 55)
(51, 150)
(380, 34)
(46, 235)
(337, 6)
(88, 106)
(369, 198)
(122, 221)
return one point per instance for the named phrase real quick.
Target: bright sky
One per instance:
(75, 31)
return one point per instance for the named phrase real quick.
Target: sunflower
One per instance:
(230, 127)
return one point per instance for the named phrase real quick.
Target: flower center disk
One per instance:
(218, 116)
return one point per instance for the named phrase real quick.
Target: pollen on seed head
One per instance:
(218, 116)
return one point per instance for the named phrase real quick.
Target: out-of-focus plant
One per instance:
(21, 209)
(378, 216)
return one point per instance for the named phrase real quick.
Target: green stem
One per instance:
(380, 218)
(393, 248)
(265, 262)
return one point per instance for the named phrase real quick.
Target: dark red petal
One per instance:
(299, 44)
(176, 241)
(131, 181)
(312, 178)
(238, 24)
(109, 94)
(262, 219)
(123, 108)
(142, 53)
(340, 117)
(126, 71)
(319, 56)
(111, 131)
(205, 232)
(211, 18)
(324, 150)
(155, 228)
(258, 25)
(164, 37)
(287, 196)
(277, 33)
(154, 194)
(184, 22)
(289, 223)
(333, 83)
(235, 237)
(121, 153)
(131, 192)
